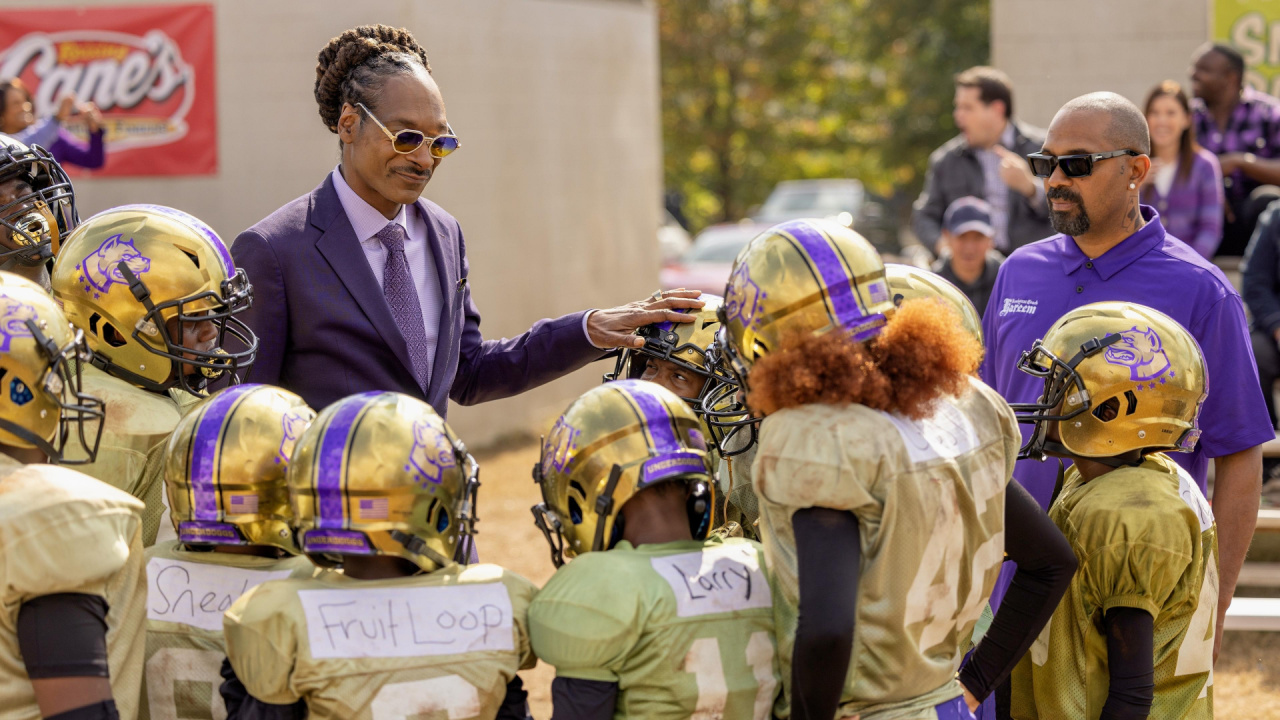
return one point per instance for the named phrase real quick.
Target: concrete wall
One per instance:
(557, 186)
(1055, 50)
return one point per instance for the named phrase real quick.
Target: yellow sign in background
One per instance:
(1253, 28)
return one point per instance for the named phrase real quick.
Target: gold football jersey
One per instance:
(1146, 538)
(64, 532)
(443, 644)
(929, 497)
(187, 593)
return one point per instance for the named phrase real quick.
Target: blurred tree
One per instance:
(758, 91)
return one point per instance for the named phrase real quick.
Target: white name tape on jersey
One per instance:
(715, 580)
(408, 622)
(196, 594)
(1191, 495)
(948, 434)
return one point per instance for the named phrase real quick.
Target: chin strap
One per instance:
(36, 441)
(604, 506)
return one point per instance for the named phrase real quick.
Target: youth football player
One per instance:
(1133, 637)
(225, 476)
(155, 293)
(384, 491)
(37, 209)
(74, 591)
(652, 619)
(883, 474)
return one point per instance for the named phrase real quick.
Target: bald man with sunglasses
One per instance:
(1110, 247)
(362, 284)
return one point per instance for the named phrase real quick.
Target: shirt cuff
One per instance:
(585, 317)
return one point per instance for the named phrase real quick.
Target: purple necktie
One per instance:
(402, 297)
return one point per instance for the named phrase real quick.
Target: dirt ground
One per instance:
(1246, 682)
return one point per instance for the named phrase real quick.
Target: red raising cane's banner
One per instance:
(150, 69)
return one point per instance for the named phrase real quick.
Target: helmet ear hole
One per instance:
(575, 512)
(1108, 410)
(195, 259)
(1133, 402)
(111, 336)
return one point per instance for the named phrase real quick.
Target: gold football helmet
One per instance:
(1118, 377)
(380, 473)
(42, 403)
(225, 467)
(907, 282)
(39, 209)
(616, 440)
(126, 272)
(800, 277)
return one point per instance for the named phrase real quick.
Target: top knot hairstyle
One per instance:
(354, 65)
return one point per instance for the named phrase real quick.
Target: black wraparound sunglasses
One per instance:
(1073, 166)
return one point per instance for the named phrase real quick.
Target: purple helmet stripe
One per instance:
(840, 292)
(332, 452)
(205, 448)
(657, 419)
(199, 225)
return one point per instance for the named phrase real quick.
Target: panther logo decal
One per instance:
(13, 321)
(742, 297)
(101, 269)
(1142, 352)
(293, 423)
(431, 455)
(559, 449)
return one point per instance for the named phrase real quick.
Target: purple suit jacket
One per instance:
(325, 330)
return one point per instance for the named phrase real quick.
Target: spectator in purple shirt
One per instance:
(1185, 182)
(1110, 247)
(18, 120)
(1242, 127)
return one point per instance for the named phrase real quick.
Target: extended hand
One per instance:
(1015, 171)
(616, 327)
(92, 117)
(970, 700)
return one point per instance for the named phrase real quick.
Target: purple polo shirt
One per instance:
(1044, 280)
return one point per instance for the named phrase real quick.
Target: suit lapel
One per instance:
(339, 246)
(445, 253)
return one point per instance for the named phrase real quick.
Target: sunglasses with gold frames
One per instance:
(407, 141)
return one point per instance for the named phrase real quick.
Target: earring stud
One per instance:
(1132, 186)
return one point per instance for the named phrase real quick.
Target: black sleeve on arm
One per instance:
(828, 557)
(515, 706)
(1045, 567)
(1130, 662)
(105, 710)
(243, 706)
(63, 635)
(578, 699)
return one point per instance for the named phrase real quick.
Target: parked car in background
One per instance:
(673, 239)
(706, 265)
(842, 200)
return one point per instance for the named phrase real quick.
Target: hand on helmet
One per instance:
(616, 327)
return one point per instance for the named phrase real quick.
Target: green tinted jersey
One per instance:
(741, 505)
(685, 628)
(426, 647)
(1145, 538)
(187, 593)
(929, 498)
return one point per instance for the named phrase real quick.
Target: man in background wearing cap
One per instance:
(967, 258)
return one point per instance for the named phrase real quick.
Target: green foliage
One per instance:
(758, 91)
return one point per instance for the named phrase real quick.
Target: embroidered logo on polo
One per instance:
(1015, 306)
(561, 444)
(742, 297)
(101, 268)
(293, 423)
(1143, 353)
(13, 321)
(431, 455)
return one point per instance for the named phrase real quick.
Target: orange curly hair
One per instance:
(922, 354)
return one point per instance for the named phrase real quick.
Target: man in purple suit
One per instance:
(361, 284)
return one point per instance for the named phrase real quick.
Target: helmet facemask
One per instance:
(1063, 387)
(62, 385)
(234, 297)
(34, 222)
(733, 428)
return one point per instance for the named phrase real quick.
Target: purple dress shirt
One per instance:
(1192, 210)
(1041, 282)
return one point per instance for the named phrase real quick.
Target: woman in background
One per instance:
(1185, 182)
(18, 119)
